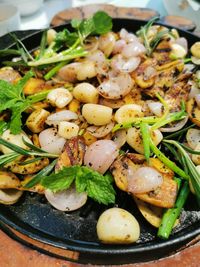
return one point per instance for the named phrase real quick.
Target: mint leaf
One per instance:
(61, 180)
(16, 122)
(7, 104)
(21, 83)
(12, 97)
(101, 192)
(86, 27)
(7, 90)
(76, 23)
(96, 185)
(102, 22)
(64, 38)
(3, 126)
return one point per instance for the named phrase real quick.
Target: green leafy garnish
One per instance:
(12, 98)
(150, 44)
(3, 126)
(144, 128)
(33, 151)
(170, 164)
(135, 122)
(97, 186)
(44, 172)
(193, 174)
(99, 23)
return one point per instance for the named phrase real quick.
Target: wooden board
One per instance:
(120, 12)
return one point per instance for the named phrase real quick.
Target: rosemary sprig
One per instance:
(7, 158)
(194, 176)
(178, 133)
(170, 164)
(34, 151)
(44, 172)
(150, 44)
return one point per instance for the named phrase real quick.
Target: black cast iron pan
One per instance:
(76, 231)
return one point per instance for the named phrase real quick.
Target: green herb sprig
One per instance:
(193, 174)
(97, 186)
(12, 98)
(150, 45)
(99, 23)
(18, 151)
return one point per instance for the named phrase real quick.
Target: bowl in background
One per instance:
(9, 18)
(26, 7)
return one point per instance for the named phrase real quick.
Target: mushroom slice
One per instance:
(101, 131)
(73, 153)
(124, 166)
(193, 137)
(193, 111)
(151, 213)
(66, 200)
(9, 74)
(29, 168)
(9, 180)
(9, 196)
(163, 196)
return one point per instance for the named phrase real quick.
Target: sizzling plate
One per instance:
(76, 231)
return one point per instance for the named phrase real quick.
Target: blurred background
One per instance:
(35, 14)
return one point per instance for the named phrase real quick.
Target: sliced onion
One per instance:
(188, 67)
(64, 115)
(100, 155)
(133, 49)
(51, 142)
(193, 138)
(176, 126)
(128, 37)
(149, 72)
(119, 45)
(119, 63)
(107, 43)
(194, 91)
(102, 131)
(66, 200)
(195, 60)
(9, 196)
(119, 138)
(116, 87)
(156, 108)
(69, 72)
(100, 61)
(8, 74)
(143, 180)
(183, 42)
(197, 99)
(117, 103)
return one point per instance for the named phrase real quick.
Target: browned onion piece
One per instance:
(143, 180)
(102, 131)
(9, 196)
(119, 138)
(176, 127)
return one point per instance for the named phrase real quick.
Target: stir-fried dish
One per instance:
(91, 111)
